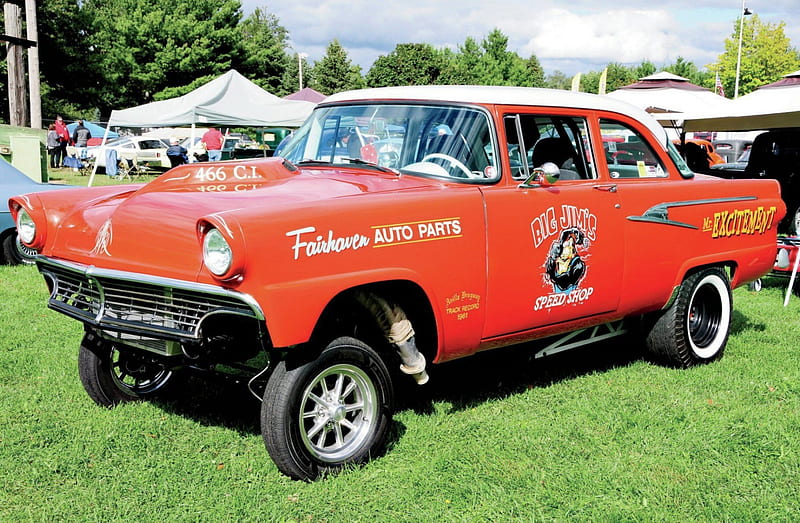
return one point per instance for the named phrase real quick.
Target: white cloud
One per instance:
(581, 37)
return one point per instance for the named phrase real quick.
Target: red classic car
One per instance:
(401, 227)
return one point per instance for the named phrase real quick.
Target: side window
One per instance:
(628, 154)
(533, 140)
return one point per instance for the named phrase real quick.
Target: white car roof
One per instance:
(503, 95)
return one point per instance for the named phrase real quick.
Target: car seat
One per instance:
(559, 152)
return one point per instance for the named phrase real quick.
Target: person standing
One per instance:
(53, 147)
(213, 141)
(81, 137)
(63, 140)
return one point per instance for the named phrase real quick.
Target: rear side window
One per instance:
(151, 144)
(628, 154)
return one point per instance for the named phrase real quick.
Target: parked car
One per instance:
(775, 155)
(232, 148)
(327, 280)
(13, 182)
(699, 154)
(731, 149)
(739, 165)
(148, 151)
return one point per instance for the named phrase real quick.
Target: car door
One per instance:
(554, 252)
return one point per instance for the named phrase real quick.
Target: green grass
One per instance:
(594, 434)
(68, 176)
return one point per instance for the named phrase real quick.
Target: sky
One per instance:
(571, 37)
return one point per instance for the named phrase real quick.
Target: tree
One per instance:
(646, 68)
(290, 82)
(264, 43)
(499, 66)
(63, 58)
(491, 63)
(689, 71)
(335, 72)
(766, 56)
(535, 72)
(558, 80)
(140, 49)
(462, 67)
(407, 64)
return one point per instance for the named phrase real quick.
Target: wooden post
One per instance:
(17, 110)
(34, 91)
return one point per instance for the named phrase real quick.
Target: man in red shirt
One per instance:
(63, 140)
(213, 140)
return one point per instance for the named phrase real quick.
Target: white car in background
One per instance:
(146, 151)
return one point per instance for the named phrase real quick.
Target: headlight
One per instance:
(217, 254)
(26, 228)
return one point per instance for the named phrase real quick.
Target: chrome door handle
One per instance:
(611, 187)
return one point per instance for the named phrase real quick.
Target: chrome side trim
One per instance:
(660, 213)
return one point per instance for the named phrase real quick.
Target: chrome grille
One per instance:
(137, 303)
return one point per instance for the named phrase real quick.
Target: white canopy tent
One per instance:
(229, 100)
(668, 93)
(771, 106)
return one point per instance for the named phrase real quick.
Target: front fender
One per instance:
(292, 309)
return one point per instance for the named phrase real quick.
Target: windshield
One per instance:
(442, 141)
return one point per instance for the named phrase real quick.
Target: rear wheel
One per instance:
(695, 328)
(328, 412)
(111, 376)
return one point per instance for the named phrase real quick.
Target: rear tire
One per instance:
(329, 412)
(695, 328)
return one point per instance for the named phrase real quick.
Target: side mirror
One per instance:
(546, 174)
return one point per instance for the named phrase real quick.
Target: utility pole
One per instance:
(16, 73)
(34, 91)
(15, 44)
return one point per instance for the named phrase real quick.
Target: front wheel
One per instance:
(328, 412)
(15, 253)
(695, 327)
(111, 376)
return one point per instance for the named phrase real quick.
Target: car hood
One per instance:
(156, 226)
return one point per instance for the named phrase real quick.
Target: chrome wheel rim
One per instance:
(709, 317)
(338, 413)
(137, 376)
(26, 254)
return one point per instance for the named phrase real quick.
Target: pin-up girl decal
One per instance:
(564, 266)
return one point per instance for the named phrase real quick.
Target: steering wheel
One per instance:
(452, 161)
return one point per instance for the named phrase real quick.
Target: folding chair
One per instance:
(125, 168)
(136, 169)
(87, 165)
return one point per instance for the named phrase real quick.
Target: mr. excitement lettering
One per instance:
(745, 221)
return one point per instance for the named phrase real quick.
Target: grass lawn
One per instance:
(67, 176)
(594, 434)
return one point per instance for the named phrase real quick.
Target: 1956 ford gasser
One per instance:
(399, 226)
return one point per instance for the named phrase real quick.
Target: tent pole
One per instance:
(100, 152)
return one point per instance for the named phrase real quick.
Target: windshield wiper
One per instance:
(381, 168)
